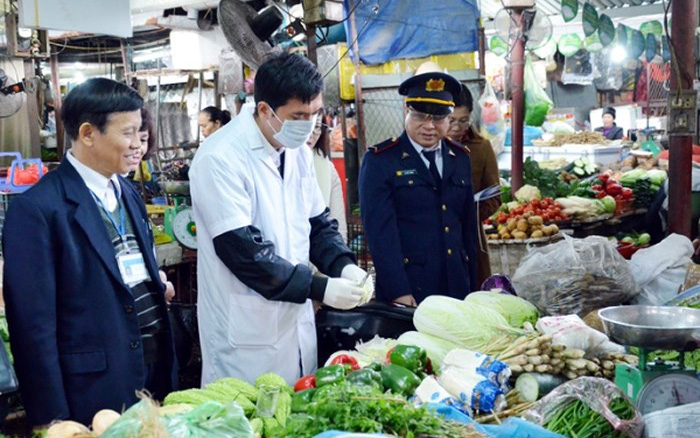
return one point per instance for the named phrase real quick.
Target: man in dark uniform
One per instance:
(417, 201)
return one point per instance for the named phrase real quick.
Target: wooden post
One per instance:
(33, 110)
(57, 103)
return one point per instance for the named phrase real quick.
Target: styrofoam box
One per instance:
(598, 154)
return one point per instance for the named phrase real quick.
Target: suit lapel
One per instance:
(89, 219)
(410, 159)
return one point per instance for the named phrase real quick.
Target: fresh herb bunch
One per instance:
(548, 181)
(578, 420)
(352, 408)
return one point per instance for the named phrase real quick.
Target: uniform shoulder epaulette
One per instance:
(385, 145)
(457, 146)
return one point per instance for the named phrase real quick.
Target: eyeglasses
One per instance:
(420, 117)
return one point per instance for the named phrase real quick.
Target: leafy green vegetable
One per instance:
(548, 181)
(274, 380)
(578, 420)
(514, 309)
(506, 195)
(366, 409)
(467, 324)
(657, 177)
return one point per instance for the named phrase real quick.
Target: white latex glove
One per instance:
(358, 275)
(354, 273)
(342, 294)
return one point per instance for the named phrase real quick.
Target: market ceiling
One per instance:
(620, 8)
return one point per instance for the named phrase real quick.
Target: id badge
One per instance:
(132, 267)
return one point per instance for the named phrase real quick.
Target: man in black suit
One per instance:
(84, 300)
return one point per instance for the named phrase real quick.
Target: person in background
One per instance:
(484, 169)
(417, 201)
(261, 221)
(147, 138)
(327, 175)
(211, 118)
(609, 129)
(84, 301)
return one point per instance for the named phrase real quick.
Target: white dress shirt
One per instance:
(438, 154)
(98, 184)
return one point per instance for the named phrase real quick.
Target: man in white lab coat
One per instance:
(260, 221)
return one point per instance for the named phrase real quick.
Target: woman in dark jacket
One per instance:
(484, 170)
(609, 129)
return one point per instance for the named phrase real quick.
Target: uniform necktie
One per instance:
(430, 156)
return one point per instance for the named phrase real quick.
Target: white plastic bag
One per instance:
(575, 276)
(492, 124)
(570, 330)
(660, 269)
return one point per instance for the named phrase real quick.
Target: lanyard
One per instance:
(121, 227)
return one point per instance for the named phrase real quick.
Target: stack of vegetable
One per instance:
(529, 226)
(587, 407)
(587, 209)
(343, 396)
(470, 324)
(366, 408)
(644, 183)
(546, 208)
(229, 390)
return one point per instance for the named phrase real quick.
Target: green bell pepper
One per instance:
(410, 357)
(399, 380)
(301, 399)
(375, 366)
(330, 375)
(365, 377)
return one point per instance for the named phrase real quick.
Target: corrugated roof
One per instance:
(489, 8)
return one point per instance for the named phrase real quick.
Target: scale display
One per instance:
(668, 391)
(184, 228)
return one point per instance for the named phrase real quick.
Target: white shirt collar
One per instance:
(270, 150)
(420, 148)
(95, 181)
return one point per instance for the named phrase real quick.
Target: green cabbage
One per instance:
(514, 309)
(469, 325)
(436, 348)
(657, 177)
(609, 203)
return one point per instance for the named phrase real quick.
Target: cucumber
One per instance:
(579, 171)
(578, 162)
(590, 169)
(532, 386)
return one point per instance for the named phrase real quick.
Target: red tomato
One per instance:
(614, 189)
(306, 382)
(502, 218)
(603, 177)
(546, 217)
(535, 203)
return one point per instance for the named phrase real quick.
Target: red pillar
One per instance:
(684, 15)
(518, 110)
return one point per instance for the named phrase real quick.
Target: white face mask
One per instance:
(294, 133)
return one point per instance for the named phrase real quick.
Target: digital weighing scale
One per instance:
(658, 384)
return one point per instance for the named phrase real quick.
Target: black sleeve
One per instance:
(328, 253)
(254, 262)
